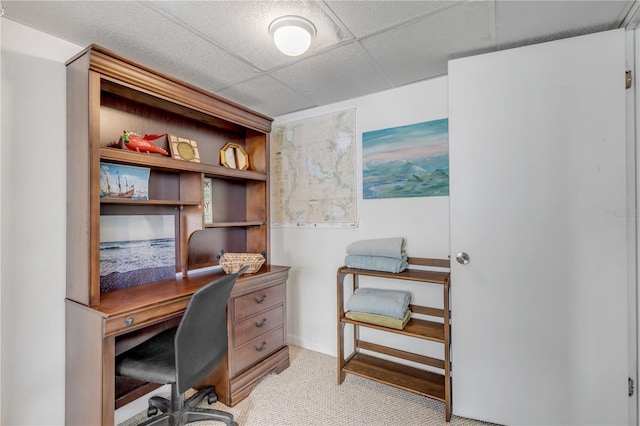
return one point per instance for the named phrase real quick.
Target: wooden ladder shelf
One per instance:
(434, 385)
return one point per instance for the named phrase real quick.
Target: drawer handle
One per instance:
(128, 321)
(263, 347)
(262, 299)
(261, 323)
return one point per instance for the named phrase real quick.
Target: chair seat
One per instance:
(183, 356)
(151, 361)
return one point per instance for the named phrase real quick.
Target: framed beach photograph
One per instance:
(136, 249)
(124, 182)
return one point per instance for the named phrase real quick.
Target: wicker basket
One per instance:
(233, 262)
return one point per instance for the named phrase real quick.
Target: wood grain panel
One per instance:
(258, 301)
(257, 349)
(249, 328)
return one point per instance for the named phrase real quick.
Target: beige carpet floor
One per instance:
(307, 394)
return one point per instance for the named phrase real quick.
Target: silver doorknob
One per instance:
(462, 258)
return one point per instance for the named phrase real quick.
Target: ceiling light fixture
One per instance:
(292, 34)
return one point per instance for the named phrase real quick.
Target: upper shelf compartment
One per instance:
(137, 99)
(139, 83)
(124, 109)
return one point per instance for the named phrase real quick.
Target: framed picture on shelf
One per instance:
(124, 182)
(208, 196)
(136, 249)
(184, 149)
(234, 156)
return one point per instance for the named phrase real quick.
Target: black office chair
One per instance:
(183, 356)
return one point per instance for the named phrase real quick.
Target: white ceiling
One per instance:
(362, 47)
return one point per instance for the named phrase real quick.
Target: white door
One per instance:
(538, 202)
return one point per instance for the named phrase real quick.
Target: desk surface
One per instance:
(130, 299)
(96, 333)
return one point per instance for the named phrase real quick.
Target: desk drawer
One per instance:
(257, 349)
(252, 303)
(251, 327)
(134, 320)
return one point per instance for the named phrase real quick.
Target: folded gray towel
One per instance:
(385, 247)
(377, 263)
(392, 303)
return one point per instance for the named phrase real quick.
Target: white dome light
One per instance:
(292, 34)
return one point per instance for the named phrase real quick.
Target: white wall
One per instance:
(1, 20)
(33, 197)
(315, 254)
(633, 120)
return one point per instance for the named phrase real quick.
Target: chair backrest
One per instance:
(201, 338)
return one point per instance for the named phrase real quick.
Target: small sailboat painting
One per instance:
(126, 182)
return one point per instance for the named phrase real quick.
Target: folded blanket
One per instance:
(386, 247)
(392, 303)
(376, 263)
(383, 320)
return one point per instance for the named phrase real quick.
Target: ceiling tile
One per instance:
(343, 73)
(367, 17)
(525, 22)
(267, 96)
(421, 49)
(242, 27)
(362, 47)
(153, 41)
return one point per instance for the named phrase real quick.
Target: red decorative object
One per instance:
(138, 143)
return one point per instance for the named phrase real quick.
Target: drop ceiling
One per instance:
(362, 47)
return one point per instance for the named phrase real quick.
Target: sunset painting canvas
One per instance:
(406, 161)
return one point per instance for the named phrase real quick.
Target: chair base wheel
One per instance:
(187, 411)
(212, 399)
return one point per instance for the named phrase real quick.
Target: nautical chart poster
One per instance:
(313, 172)
(406, 161)
(136, 249)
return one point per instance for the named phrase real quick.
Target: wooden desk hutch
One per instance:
(107, 94)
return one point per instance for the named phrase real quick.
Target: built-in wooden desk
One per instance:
(106, 94)
(256, 327)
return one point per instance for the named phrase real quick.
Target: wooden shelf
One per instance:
(158, 162)
(233, 224)
(148, 202)
(423, 382)
(434, 277)
(401, 376)
(418, 328)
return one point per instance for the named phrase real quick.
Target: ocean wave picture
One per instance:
(406, 161)
(136, 249)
